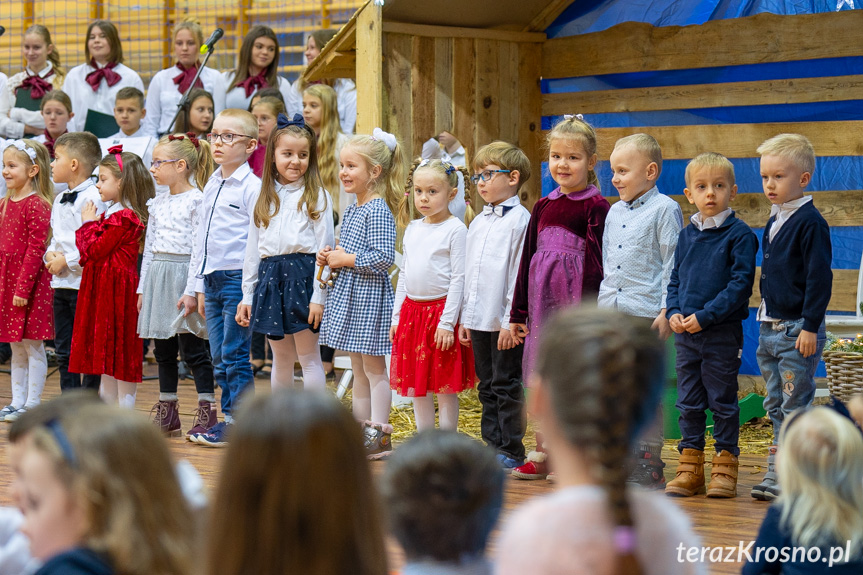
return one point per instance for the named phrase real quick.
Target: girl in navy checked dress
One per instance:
(293, 220)
(360, 303)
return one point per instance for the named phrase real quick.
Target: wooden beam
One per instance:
(443, 82)
(341, 46)
(369, 69)
(843, 298)
(638, 47)
(454, 32)
(397, 82)
(487, 104)
(422, 93)
(547, 15)
(463, 114)
(529, 120)
(762, 93)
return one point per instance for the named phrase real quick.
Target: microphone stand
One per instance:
(184, 103)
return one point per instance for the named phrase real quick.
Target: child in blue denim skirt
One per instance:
(796, 284)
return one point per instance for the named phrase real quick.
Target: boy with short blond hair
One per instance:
(796, 285)
(708, 299)
(494, 244)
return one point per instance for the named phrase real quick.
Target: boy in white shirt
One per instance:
(494, 245)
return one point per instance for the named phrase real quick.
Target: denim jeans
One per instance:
(229, 343)
(789, 376)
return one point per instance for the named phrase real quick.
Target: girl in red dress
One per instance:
(26, 309)
(105, 340)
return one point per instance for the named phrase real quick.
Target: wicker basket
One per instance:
(844, 373)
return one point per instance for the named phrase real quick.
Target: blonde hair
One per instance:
(192, 25)
(447, 173)
(644, 144)
(118, 468)
(577, 130)
(820, 467)
(793, 147)
(328, 138)
(709, 160)
(376, 153)
(246, 120)
(53, 57)
(136, 184)
(41, 182)
(196, 154)
(505, 155)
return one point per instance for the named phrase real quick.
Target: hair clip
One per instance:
(62, 440)
(283, 122)
(22, 147)
(571, 116)
(407, 193)
(118, 155)
(388, 139)
(190, 135)
(423, 164)
(448, 168)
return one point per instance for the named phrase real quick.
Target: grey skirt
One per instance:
(165, 284)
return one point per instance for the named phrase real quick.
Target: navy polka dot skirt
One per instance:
(282, 296)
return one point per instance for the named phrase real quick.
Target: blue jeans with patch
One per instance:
(229, 343)
(789, 376)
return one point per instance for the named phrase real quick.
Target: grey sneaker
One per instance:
(378, 440)
(10, 417)
(6, 412)
(768, 489)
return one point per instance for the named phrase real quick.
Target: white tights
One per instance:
(447, 406)
(302, 345)
(29, 367)
(118, 392)
(372, 397)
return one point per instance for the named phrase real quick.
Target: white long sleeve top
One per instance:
(171, 226)
(14, 119)
(102, 100)
(291, 231)
(433, 267)
(164, 95)
(236, 97)
(65, 220)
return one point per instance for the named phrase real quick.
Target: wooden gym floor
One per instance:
(718, 522)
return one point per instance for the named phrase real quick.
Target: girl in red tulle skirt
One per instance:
(105, 340)
(427, 357)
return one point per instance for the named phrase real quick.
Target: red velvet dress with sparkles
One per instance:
(105, 338)
(24, 232)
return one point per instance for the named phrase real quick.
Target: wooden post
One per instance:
(326, 18)
(369, 69)
(167, 43)
(243, 22)
(97, 10)
(29, 13)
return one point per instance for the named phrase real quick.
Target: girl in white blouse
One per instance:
(293, 220)
(171, 227)
(426, 357)
(257, 69)
(168, 86)
(93, 86)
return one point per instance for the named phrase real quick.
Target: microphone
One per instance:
(211, 41)
(2, 30)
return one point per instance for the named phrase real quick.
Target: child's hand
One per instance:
(57, 264)
(518, 331)
(691, 324)
(321, 258)
(188, 304)
(806, 343)
(18, 301)
(443, 339)
(316, 313)
(50, 256)
(393, 329)
(505, 340)
(88, 214)
(201, 307)
(339, 258)
(660, 324)
(675, 322)
(464, 335)
(140, 302)
(244, 315)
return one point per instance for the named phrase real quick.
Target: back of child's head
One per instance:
(57, 96)
(118, 469)
(266, 93)
(820, 468)
(575, 130)
(793, 147)
(192, 25)
(603, 373)
(131, 93)
(505, 155)
(32, 153)
(275, 514)
(268, 203)
(443, 493)
(247, 122)
(81, 146)
(111, 34)
(68, 402)
(136, 182)
(54, 55)
(709, 160)
(383, 149)
(644, 144)
(192, 150)
(445, 172)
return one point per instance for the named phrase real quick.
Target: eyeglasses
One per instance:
(487, 175)
(156, 164)
(227, 137)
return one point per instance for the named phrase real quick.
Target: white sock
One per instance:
(19, 371)
(379, 384)
(127, 393)
(284, 358)
(361, 395)
(447, 404)
(306, 343)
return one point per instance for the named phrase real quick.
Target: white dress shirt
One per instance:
(171, 226)
(638, 254)
(164, 95)
(433, 267)
(457, 158)
(65, 220)
(290, 232)
(346, 95)
(236, 96)
(494, 246)
(102, 100)
(220, 242)
(13, 119)
(709, 222)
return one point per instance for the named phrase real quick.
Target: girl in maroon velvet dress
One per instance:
(26, 310)
(105, 340)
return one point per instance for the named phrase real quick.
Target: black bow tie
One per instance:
(69, 198)
(498, 210)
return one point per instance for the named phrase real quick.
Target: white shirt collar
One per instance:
(792, 206)
(643, 199)
(710, 222)
(239, 174)
(292, 187)
(114, 208)
(43, 72)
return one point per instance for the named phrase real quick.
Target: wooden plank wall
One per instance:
(763, 38)
(480, 88)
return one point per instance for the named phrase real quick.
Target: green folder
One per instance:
(102, 125)
(23, 99)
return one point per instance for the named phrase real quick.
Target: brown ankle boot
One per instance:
(723, 476)
(689, 479)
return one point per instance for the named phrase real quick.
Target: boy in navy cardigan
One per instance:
(708, 299)
(796, 283)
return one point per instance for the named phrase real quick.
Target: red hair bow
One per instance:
(118, 154)
(191, 135)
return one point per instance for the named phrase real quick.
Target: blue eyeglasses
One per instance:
(487, 175)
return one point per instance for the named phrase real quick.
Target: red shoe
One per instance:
(535, 468)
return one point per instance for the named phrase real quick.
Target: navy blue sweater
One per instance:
(796, 277)
(713, 273)
(78, 561)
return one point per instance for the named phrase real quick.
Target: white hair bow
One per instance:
(386, 138)
(19, 145)
(571, 116)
